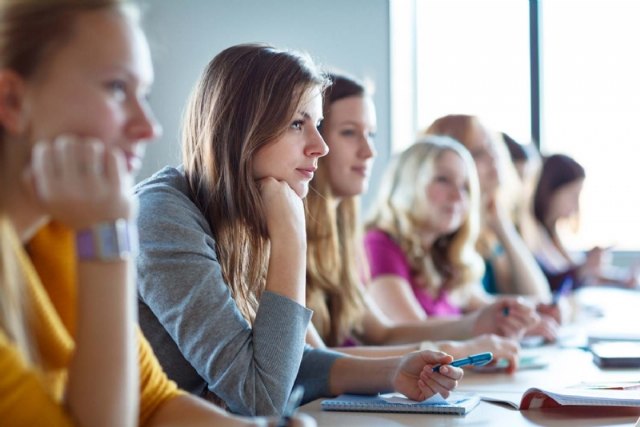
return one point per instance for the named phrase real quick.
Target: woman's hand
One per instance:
(284, 210)
(508, 317)
(80, 182)
(415, 377)
(547, 328)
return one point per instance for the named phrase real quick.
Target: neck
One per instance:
(427, 238)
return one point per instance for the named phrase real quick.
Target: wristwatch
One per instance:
(107, 241)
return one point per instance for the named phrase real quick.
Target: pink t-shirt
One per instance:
(386, 257)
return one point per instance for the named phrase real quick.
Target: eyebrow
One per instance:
(351, 122)
(306, 115)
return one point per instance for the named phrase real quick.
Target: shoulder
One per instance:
(379, 237)
(377, 240)
(164, 198)
(167, 181)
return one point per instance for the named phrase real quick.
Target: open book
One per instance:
(456, 403)
(619, 394)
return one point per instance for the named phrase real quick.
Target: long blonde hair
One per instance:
(462, 128)
(453, 256)
(30, 31)
(243, 101)
(336, 266)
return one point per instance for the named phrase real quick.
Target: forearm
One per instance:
(378, 351)
(189, 411)
(287, 269)
(103, 375)
(432, 329)
(525, 272)
(361, 375)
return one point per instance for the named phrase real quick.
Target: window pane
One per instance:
(473, 58)
(591, 105)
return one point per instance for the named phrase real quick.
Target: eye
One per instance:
(297, 125)
(347, 132)
(118, 88)
(319, 124)
(372, 135)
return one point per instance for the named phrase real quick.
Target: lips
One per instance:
(361, 170)
(307, 172)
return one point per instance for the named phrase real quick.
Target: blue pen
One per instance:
(479, 359)
(564, 289)
(292, 404)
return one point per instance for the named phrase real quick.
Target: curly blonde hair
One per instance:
(452, 256)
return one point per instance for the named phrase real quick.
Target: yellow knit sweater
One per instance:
(32, 396)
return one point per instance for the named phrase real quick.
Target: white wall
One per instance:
(352, 35)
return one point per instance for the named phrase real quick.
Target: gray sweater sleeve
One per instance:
(180, 280)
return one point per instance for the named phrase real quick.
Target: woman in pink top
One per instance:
(422, 232)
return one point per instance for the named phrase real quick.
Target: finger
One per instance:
(42, 169)
(69, 162)
(512, 362)
(436, 357)
(511, 328)
(92, 157)
(439, 383)
(425, 390)
(450, 372)
(115, 168)
(522, 315)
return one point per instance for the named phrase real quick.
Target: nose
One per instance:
(143, 125)
(456, 193)
(367, 147)
(316, 147)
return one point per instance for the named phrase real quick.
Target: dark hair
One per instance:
(517, 151)
(341, 86)
(557, 171)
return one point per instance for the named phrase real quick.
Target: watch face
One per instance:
(107, 241)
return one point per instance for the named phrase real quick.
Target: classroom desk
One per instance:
(567, 366)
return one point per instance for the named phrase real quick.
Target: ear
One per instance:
(12, 91)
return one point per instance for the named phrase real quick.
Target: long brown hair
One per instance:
(243, 101)
(31, 31)
(335, 260)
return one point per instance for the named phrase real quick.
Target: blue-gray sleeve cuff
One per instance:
(314, 372)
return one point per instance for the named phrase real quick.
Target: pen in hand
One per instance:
(479, 359)
(292, 404)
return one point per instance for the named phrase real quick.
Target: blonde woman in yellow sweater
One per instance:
(74, 75)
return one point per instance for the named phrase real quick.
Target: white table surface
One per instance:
(566, 366)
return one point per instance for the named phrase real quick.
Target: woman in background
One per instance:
(221, 274)
(74, 78)
(526, 163)
(509, 266)
(422, 232)
(557, 198)
(336, 267)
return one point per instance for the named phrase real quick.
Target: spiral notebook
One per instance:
(456, 403)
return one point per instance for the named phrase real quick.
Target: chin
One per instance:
(302, 191)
